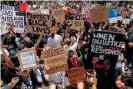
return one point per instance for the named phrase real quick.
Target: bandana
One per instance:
(74, 62)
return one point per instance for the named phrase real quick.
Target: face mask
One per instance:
(85, 57)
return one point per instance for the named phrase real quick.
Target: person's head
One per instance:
(25, 73)
(52, 35)
(70, 53)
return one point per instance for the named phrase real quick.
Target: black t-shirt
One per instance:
(31, 82)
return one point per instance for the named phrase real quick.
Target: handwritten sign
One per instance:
(55, 59)
(59, 15)
(38, 23)
(19, 24)
(27, 58)
(104, 50)
(7, 13)
(59, 12)
(99, 14)
(76, 75)
(77, 24)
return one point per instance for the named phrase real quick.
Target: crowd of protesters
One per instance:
(76, 44)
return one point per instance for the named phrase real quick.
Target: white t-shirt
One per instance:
(56, 42)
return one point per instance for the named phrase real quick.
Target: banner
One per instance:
(27, 58)
(55, 59)
(7, 13)
(19, 24)
(76, 75)
(99, 14)
(77, 24)
(38, 23)
(104, 50)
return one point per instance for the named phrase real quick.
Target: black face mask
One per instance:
(123, 50)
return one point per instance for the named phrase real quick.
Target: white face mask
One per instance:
(85, 56)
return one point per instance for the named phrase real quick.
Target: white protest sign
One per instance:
(27, 58)
(126, 21)
(113, 20)
(45, 11)
(119, 18)
(108, 4)
(131, 17)
(7, 13)
(19, 24)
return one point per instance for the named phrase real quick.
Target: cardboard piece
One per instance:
(60, 19)
(76, 75)
(27, 58)
(77, 24)
(55, 59)
(19, 24)
(59, 12)
(99, 14)
(37, 23)
(7, 13)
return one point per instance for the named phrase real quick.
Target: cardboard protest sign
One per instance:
(7, 13)
(59, 12)
(99, 14)
(60, 19)
(27, 58)
(19, 24)
(37, 23)
(55, 59)
(76, 75)
(104, 50)
(77, 24)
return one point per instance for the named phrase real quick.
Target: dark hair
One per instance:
(52, 35)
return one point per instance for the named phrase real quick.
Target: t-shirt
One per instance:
(30, 83)
(56, 42)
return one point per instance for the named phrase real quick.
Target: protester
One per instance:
(82, 28)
